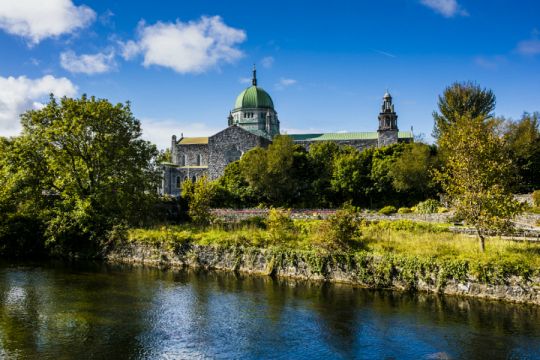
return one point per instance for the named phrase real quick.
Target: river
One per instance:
(98, 311)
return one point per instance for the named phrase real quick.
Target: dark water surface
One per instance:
(97, 311)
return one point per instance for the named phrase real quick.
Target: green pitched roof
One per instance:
(254, 97)
(193, 140)
(372, 135)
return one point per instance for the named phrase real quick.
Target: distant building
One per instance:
(254, 122)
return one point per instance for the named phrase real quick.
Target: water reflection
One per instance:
(56, 311)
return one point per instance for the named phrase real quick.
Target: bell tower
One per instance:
(388, 130)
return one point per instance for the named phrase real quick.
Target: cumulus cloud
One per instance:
(447, 8)
(192, 47)
(267, 62)
(18, 94)
(87, 63)
(36, 20)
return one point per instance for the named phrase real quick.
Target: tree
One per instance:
(412, 172)
(279, 174)
(199, 195)
(350, 178)
(233, 190)
(83, 165)
(164, 156)
(322, 157)
(477, 174)
(523, 139)
(462, 99)
(383, 161)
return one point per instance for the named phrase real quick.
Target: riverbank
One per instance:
(426, 259)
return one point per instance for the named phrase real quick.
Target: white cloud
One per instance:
(491, 63)
(87, 63)
(18, 94)
(284, 82)
(129, 49)
(192, 47)
(245, 80)
(267, 62)
(36, 20)
(160, 132)
(447, 8)
(385, 53)
(529, 47)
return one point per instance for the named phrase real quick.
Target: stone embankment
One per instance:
(363, 269)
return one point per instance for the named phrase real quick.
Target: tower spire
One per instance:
(254, 80)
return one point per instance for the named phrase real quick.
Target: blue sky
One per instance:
(325, 64)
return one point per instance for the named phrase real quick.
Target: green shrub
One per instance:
(280, 225)
(404, 210)
(409, 225)
(429, 206)
(442, 210)
(388, 210)
(199, 196)
(536, 198)
(257, 222)
(339, 231)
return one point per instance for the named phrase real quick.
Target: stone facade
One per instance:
(229, 145)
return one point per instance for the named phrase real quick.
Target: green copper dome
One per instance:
(253, 97)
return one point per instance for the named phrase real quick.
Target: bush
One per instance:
(257, 222)
(441, 210)
(536, 198)
(339, 231)
(388, 210)
(404, 210)
(280, 225)
(199, 196)
(429, 206)
(409, 226)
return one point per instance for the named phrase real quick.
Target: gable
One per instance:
(235, 130)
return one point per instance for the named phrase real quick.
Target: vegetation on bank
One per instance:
(415, 248)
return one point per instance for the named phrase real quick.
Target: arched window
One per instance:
(198, 160)
(178, 183)
(183, 160)
(194, 178)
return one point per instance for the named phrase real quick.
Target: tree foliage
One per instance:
(80, 167)
(523, 140)
(412, 171)
(329, 175)
(276, 173)
(462, 99)
(199, 195)
(477, 175)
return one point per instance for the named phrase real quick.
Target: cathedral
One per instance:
(254, 122)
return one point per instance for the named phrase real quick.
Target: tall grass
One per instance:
(424, 242)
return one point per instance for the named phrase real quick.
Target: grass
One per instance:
(402, 243)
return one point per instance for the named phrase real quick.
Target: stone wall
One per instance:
(175, 175)
(229, 145)
(387, 137)
(191, 151)
(367, 271)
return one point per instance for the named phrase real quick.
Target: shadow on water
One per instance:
(93, 310)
